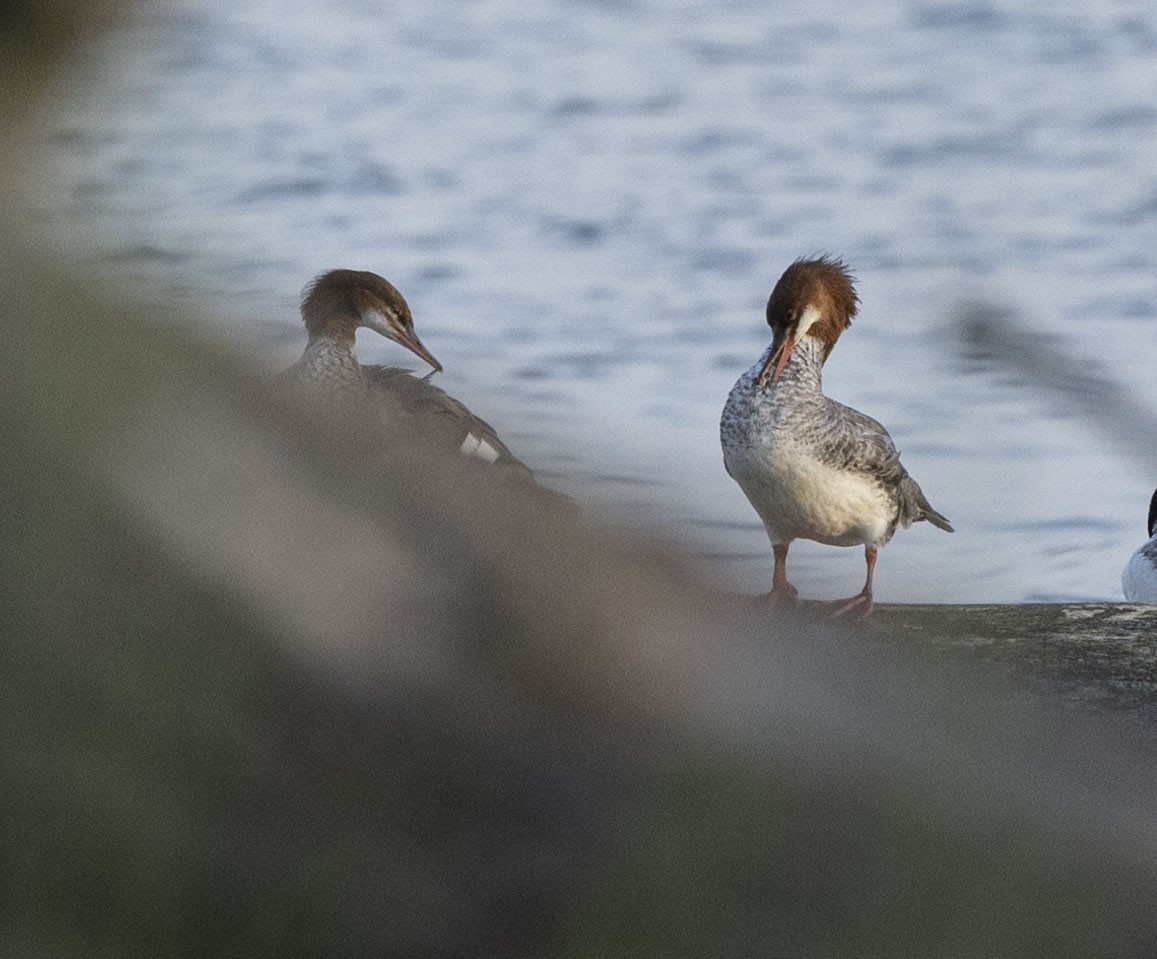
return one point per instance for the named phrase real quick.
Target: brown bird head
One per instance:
(338, 302)
(812, 298)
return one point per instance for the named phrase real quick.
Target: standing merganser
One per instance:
(814, 468)
(333, 306)
(1139, 578)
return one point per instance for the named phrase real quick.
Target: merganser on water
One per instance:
(1139, 578)
(333, 306)
(814, 468)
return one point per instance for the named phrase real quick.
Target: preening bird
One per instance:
(333, 306)
(814, 468)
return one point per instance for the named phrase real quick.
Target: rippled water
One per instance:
(587, 203)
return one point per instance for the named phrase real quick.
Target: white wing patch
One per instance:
(477, 447)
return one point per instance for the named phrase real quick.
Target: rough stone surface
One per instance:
(1099, 655)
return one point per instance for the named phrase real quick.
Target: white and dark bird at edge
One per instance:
(1139, 578)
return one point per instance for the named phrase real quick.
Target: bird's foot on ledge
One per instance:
(854, 607)
(782, 594)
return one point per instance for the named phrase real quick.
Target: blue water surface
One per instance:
(586, 203)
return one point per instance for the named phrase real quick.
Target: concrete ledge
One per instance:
(1101, 655)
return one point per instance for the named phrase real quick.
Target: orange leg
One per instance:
(861, 603)
(782, 592)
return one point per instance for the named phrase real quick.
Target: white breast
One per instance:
(799, 497)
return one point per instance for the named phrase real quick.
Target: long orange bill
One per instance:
(778, 359)
(411, 342)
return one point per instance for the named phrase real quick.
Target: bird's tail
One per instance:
(915, 506)
(936, 519)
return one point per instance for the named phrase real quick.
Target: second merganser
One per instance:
(1139, 578)
(814, 468)
(334, 305)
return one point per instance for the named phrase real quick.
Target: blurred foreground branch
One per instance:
(277, 685)
(996, 337)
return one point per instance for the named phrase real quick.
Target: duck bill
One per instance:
(411, 342)
(773, 368)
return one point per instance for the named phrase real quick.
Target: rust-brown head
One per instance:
(812, 298)
(336, 303)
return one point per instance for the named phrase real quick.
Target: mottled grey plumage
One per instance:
(329, 370)
(794, 418)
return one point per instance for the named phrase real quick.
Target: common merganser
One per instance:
(333, 306)
(1139, 578)
(814, 468)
